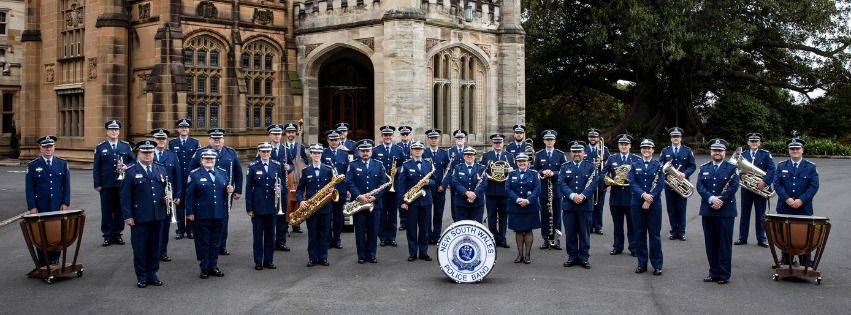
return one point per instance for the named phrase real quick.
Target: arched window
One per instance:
(457, 77)
(201, 84)
(260, 80)
(441, 85)
(214, 59)
(187, 57)
(201, 58)
(246, 58)
(214, 85)
(204, 98)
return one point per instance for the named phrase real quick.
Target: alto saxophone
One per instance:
(417, 191)
(319, 200)
(355, 206)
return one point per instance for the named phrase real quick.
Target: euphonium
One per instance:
(750, 175)
(417, 191)
(319, 200)
(355, 206)
(682, 186)
(621, 176)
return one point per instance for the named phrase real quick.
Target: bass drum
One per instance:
(466, 252)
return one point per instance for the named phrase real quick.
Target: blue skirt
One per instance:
(524, 221)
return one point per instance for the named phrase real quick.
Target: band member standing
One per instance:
(523, 189)
(228, 160)
(405, 144)
(413, 172)
(264, 179)
(682, 159)
(347, 144)
(796, 182)
(469, 184)
(764, 161)
(388, 153)
(112, 157)
(48, 186)
(275, 131)
(338, 158)
(143, 205)
(207, 207)
(577, 182)
(315, 176)
(717, 185)
(548, 162)
(646, 181)
(456, 154)
(621, 196)
(519, 144)
(363, 176)
(184, 146)
(294, 168)
(599, 198)
(174, 175)
(495, 195)
(440, 159)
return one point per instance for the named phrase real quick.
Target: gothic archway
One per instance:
(346, 93)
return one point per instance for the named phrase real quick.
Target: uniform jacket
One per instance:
(527, 187)
(516, 148)
(143, 194)
(712, 182)
(462, 180)
(591, 156)
(104, 170)
(579, 180)
(641, 180)
(440, 158)
(494, 188)
(764, 161)
(409, 175)
(361, 180)
(173, 170)
(619, 196)
(801, 183)
(340, 161)
(206, 197)
(260, 187)
(223, 160)
(381, 154)
(48, 187)
(684, 159)
(184, 153)
(542, 163)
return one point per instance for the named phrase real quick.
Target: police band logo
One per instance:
(466, 252)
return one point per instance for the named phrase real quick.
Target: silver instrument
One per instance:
(555, 234)
(750, 175)
(170, 206)
(682, 186)
(278, 196)
(355, 206)
(120, 167)
(230, 183)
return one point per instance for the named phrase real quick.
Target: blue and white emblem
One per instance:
(466, 251)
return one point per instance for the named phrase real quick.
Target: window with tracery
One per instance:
(201, 59)
(457, 77)
(258, 63)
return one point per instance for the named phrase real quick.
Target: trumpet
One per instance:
(170, 206)
(120, 167)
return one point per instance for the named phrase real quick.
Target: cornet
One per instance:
(119, 167)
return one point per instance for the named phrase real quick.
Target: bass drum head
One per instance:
(466, 252)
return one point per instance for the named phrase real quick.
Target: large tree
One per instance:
(662, 59)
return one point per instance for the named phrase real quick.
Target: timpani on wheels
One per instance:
(54, 232)
(797, 235)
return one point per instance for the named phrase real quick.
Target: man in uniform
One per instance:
(389, 155)
(228, 160)
(682, 159)
(109, 157)
(347, 144)
(405, 145)
(469, 184)
(495, 195)
(294, 166)
(765, 162)
(418, 211)
(717, 185)
(796, 182)
(519, 144)
(184, 146)
(365, 175)
(646, 181)
(264, 180)
(207, 207)
(174, 175)
(621, 196)
(599, 199)
(275, 131)
(456, 154)
(440, 159)
(547, 163)
(144, 210)
(316, 176)
(336, 157)
(48, 186)
(576, 182)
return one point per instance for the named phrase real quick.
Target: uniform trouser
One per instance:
(111, 219)
(263, 230)
(337, 221)
(208, 236)
(164, 237)
(718, 239)
(145, 239)
(452, 208)
(183, 225)
(759, 205)
(497, 219)
(597, 216)
(389, 217)
(366, 232)
(438, 202)
(281, 228)
(648, 226)
(676, 206)
(223, 244)
(465, 212)
(318, 235)
(577, 234)
(403, 218)
(419, 221)
(547, 231)
(621, 214)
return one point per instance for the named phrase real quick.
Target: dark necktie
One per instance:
(182, 142)
(113, 147)
(549, 154)
(676, 150)
(148, 170)
(266, 167)
(48, 163)
(795, 165)
(497, 156)
(522, 174)
(646, 164)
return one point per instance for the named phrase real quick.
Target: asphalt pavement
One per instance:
(395, 285)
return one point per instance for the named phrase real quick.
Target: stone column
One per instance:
(511, 69)
(108, 71)
(32, 74)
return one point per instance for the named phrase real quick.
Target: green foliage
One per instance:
(830, 116)
(735, 115)
(813, 147)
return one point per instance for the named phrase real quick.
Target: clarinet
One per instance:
(230, 183)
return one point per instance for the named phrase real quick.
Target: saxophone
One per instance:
(355, 206)
(417, 191)
(319, 200)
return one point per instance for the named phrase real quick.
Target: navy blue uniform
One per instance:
(456, 156)
(764, 161)
(683, 160)
(646, 177)
(469, 178)
(363, 177)
(406, 155)
(719, 181)
(591, 155)
(550, 161)
(206, 199)
(517, 147)
(419, 211)
(440, 158)
(260, 198)
(390, 214)
(319, 224)
(349, 144)
(277, 153)
(495, 197)
(184, 149)
(282, 222)
(577, 179)
(339, 159)
(228, 160)
(800, 182)
(174, 174)
(619, 202)
(105, 175)
(526, 185)
(142, 199)
(48, 187)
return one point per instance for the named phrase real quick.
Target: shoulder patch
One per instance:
(557, 150)
(220, 168)
(195, 170)
(33, 160)
(808, 161)
(539, 151)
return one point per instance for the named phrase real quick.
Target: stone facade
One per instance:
(11, 55)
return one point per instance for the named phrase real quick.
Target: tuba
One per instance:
(751, 175)
(355, 206)
(497, 171)
(319, 200)
(417, 191)
(682, 186)
(621, 178)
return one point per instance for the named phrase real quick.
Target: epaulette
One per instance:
(275, 161)
(102, 142)
(33, 160)
(539, 151)
(531, 170)
(634, 155)
(124, 141)
(808, 161)
(223, 170)
(701, 165)
(253, 162)
(557, 150)
(195, 170)
(130, 165)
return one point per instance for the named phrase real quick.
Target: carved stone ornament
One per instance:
(93, 68)
(74, 17)
(48, 73)
(206, 9)
(263, 16)
(368, 42)
(431, 42)
(485, 48)
(310, 48)
(144, 10)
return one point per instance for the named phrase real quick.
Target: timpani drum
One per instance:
(466, 251)
(797, 235)
(54, 232)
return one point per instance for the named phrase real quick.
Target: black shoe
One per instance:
(311, 263)
(569, 263)
(205, 274)
(723, 281)
(118, 241)
(258, 267)
(105, 243)
(586, 265)
(373, 260)
(762, 244)
(672, 237)
(616, 252)
(740, 242)
(270, 266)
(141, 285)
(640, 270)
(165, 258)
(224, 252)
(297, 229)
(545, 245)
(282, 248)
(632, 253)
(190, 235)
(518, 260)
(382, 243)
(425, 257)
(709, 279)
(682, 238)
(412, 258)
(557, 246)
(657, 272)
(338, 246)
(361, 261)
(156, 283)
(393, 243)
(217, 272)
(599, 232)
(527, 260)
(324, 263)
(179, 236)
